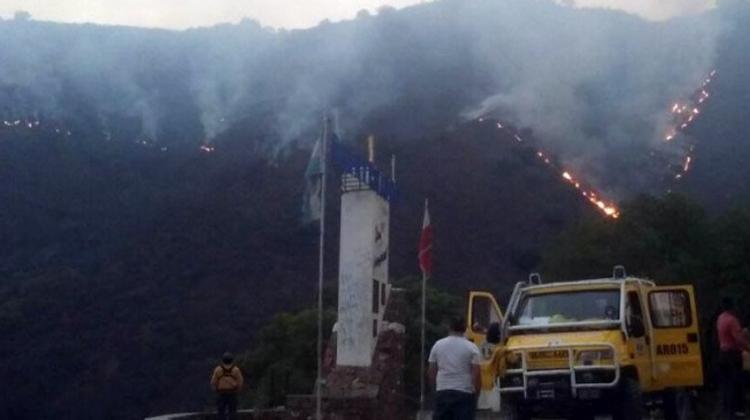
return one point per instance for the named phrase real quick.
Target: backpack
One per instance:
(226, 381)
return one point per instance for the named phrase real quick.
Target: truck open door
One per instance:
(676, 346)
(483, 320)
(481, 313)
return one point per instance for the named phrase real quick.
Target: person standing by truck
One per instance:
(455, 373)
(227, 381)
(731, 345)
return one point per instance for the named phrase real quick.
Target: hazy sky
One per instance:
(180, 14)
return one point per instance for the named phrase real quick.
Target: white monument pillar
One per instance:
(363, 270)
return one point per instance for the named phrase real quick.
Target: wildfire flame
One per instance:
(684, 114)
(608, 208)
(34, 123)
(207, 148)
(52, 126)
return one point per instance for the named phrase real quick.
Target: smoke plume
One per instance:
(590, 83)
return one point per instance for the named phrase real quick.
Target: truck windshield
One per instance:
(568, 307)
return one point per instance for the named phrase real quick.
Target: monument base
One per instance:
(366, 393)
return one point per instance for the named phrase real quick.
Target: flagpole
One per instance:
(423, 338)
(422, 358)
(321, 253)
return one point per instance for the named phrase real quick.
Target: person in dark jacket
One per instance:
(227, 382)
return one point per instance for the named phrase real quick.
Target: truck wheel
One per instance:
(630, 401)
(513, 411)
(677, 405)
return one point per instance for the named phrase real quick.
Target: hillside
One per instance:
(151, 180)
(724, 134)
(221, 250)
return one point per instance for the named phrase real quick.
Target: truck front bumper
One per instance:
(576, 380)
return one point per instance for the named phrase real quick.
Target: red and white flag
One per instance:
(425, 244)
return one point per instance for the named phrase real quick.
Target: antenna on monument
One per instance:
(371, 148)
(333, 117)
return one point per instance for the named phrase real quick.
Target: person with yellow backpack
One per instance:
(227, 381)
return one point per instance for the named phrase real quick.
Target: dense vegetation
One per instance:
(670, 240)
(280, 361)
(130, 259)
(127, 288)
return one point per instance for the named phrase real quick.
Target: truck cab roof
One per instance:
(601, 283)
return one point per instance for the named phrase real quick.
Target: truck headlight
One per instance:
(590, 377)
(513, 360)
(511, 381)
(590, 357)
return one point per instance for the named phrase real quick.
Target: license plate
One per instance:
(546, 394)
(549, 354)
(589, 394)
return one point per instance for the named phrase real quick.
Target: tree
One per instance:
(441, 306)
(733, 265)
(669, 240)
(22, 16)
(282, 362)
(363, 14)
(386, 11)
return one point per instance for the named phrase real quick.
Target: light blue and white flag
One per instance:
(313, 198)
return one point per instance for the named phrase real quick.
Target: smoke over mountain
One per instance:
(595, 89)
(129, 258)
(591, 84)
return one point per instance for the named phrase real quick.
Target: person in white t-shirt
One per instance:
(454, 372)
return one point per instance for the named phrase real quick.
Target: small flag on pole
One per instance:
(425, 244)
(311, 204)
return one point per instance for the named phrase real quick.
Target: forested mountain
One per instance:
(151, 181)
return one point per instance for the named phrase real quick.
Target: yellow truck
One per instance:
(589, 347)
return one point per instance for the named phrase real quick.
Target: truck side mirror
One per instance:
(636, 329)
